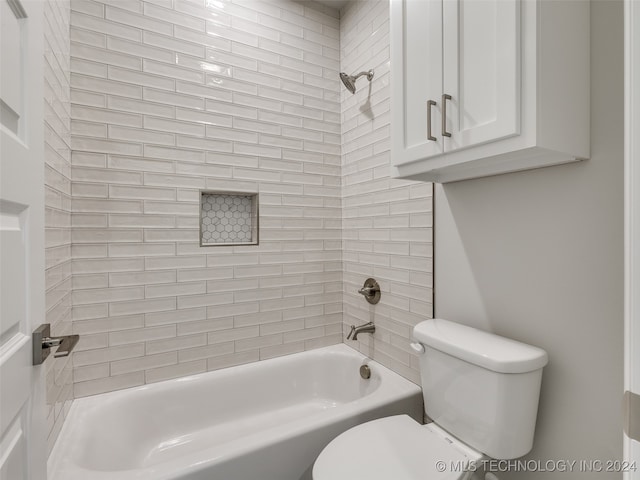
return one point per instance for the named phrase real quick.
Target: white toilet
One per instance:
(481, 391)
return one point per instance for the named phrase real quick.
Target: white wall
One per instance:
(538, 256)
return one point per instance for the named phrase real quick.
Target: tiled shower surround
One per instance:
(170, 97)
(387, 223)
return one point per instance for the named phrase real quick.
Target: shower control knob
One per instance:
(371, 291)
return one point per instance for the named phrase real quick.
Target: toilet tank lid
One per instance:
(484, 349)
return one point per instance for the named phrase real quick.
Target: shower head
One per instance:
(350, 80)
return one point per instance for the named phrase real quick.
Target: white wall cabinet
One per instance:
(483, 87)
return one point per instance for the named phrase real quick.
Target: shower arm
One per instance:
(369, 75)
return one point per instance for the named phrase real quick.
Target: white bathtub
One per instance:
(262, 421)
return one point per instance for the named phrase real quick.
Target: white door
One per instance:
(632, 241)
(481, 71)
(416, 67)
(22, 404)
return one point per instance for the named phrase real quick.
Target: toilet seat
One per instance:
(396, 448)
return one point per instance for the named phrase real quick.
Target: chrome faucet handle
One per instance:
(371, 291)
(367, 291)
(351, 332)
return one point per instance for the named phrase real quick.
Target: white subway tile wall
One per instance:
(57, 127)
(172, 97)
(175, 96)
(387, 223)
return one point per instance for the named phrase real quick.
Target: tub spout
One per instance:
(366, 328)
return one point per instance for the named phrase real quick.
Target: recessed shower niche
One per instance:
(228, 218)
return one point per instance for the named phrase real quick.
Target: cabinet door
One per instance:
(481, 62)
(416, 69)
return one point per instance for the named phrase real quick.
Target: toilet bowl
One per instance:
(395, 448)
(481, 391)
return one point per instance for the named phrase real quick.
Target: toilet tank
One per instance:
(481, 388)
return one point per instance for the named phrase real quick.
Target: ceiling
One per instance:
(333, 3)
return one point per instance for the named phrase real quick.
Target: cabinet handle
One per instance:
(445, 97)
(430, 104)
